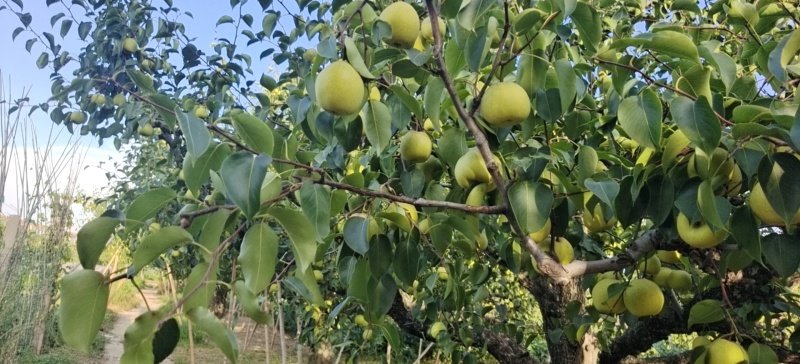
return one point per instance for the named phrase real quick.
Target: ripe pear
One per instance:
(318, 276)
(98, 99)
(145, 130)
(426, 29)
(651, 265)
(680, 280)
(77, 117)
(201, 112)
(310, 54)
(643, 298)
(543, 233)
(415, 146)
(339, 89)
(119, 99)
(565, 253)
(361, 321)
(432, 168)
(372, 225)
(130, 45)
(470, 168)
(602, 302)
(405, 209)
(763, 209)
(722, 351)
(437, 328)
(476, 195)
(505, 104)
(699, 234)
(404, 21)
(367, 335)
(662, 277)
(669, 256)
(374, 94)
(442, 273)
(595, 221)
(734, 185)
(704, 166)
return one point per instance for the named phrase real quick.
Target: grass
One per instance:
(124, 296)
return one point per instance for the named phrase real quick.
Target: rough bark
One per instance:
(503, 348)
(553, 298)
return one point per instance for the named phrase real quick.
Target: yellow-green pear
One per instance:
(763, 209)
(437, 328)
(662, 277)
(201, 112)
(432, 168)
(470, 168)
(403, 19)
(650, 265)
(543, 233)
(145, 130)
(605, 303)
(699, 234)
(505, 104)
(680, 280)
(415, 146)
(669, 256)
(426, 29)
(643, 298)
(77, 117)
(722, 351)
(119, 99)
(130, 45)
(565, 253)
(360, 320)
(339, 89)
(595, 221)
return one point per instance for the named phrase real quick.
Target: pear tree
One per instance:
(592, 177)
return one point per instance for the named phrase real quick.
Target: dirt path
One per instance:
(114, 347)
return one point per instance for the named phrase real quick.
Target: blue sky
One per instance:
(20, 72)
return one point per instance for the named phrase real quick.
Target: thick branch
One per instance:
(649, 241)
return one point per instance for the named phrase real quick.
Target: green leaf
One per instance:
(674, 44)
(212, 232)
(661, 195)
(641, 116)
(84, 296)
(355, 234)
(311, 292)
(605, 188)
(224, 338)
(566, 6)
(166, 340)
(778, 175)
(142, 81)
(249, 303)
(146, 206)
(744, 229)
(409, 101)
(242, 173)
(567, 80)
(93, 236)
(138, 340)
(695, 81)
(194, 132)
(780, 57)
(391, 334)
(706, 312)
(472, 11)
(381, 296)
(355, 59)
(269, 22)
(782, 253)
(258, 256)
(588, 24)
(380, 255)
(434, 94)
(452, 145)
(196, 171)
(155, 244)
(165, 107)
(224, 19)
(254, 132)
(203, 295)
(407, 260)
(715, 209)
(548, 104)
(531, 203)
(378, 124)
(697, 121)
(477, 47)
(751, 114)
(43, 60)
(301, 233)
(761, 354)
(316, 203)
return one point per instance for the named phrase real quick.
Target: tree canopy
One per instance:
(597, 175)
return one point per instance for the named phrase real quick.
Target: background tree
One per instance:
(653, 142)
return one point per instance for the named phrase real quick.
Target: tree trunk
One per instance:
(553, 299)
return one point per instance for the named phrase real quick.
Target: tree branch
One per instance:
(546, 264)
